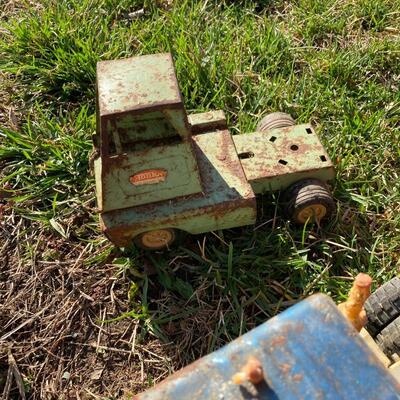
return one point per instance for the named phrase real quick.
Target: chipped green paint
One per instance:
(157, 167)
(226, 202)
(275, 159)
(181, 176)
(137, 84)
(208, 121)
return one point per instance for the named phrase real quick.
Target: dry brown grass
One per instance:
(52, 322)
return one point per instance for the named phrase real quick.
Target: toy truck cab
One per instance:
(144, 135)
(160, 172)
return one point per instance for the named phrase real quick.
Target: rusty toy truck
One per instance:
(310, 351)
(160, 172)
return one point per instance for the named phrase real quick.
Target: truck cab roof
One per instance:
(137, 84)
(138, 100)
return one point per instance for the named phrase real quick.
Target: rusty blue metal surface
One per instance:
(308, 352)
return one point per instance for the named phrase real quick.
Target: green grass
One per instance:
(334, 63)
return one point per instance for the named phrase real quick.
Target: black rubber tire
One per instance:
(308, 193)
(389, 339)
(275, 120)
(383, 306)
(176, 234)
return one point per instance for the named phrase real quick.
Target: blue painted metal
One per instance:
(308, 352)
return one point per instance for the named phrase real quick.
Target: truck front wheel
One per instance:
(158, 239)
(309, 200)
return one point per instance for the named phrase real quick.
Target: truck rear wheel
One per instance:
(158, 239)
(275, 120)
(383, 306)
(389, 340)
(309, 200)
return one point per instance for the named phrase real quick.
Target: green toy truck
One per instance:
(160, 172)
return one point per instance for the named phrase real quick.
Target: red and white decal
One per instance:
(148, 177)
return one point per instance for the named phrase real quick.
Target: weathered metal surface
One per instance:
(227, 199)
(308, 352)
(138, 99)
(274, 160)
(121, 174)
(137, 83)
(151, 173)
(207, 121)
(136, 128)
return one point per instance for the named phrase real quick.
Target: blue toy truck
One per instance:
(310, 351)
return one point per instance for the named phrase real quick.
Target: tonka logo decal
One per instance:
(148, 177)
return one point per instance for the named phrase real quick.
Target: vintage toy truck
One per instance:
(160, 172)
(309, 351)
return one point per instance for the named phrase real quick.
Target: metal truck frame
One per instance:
(160, 172)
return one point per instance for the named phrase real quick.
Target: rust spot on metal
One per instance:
(297, 377)
(291, 156)
(121, 235)
(299, 327)
(278, 341)
(285, 368)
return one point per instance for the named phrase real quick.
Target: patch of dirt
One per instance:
(52, 322)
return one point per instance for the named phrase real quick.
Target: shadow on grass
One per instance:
(218, 286)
